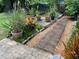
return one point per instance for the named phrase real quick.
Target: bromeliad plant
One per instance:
(30, 23)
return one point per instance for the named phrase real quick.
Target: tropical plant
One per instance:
(29, 21)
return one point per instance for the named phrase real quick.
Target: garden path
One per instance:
(49, 38)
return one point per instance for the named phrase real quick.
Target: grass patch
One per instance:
(4, 18)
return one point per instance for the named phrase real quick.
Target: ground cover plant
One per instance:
(4, 19)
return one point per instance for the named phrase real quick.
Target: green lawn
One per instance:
(4, 18)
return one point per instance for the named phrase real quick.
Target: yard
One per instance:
(42, 24)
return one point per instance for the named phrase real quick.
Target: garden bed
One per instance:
(45, 24)
(34, 32)
(42, 29)
(9, 25)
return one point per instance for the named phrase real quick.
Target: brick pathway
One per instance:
(12, 50)
(49, 38)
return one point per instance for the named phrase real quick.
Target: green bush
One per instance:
(28, 31)
(72, 7)
(10, 20)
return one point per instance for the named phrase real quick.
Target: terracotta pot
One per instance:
(16, 35)
(52, 17)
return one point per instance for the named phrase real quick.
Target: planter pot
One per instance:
(52, 17)
(16, 35)
(38, 18)
(47, 19)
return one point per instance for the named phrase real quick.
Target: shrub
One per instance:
(11, 20)
(72, 7)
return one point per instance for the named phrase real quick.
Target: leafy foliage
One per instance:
(11, 20)
(72, 7)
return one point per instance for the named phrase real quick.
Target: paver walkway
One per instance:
(12, 50)
(50, 38)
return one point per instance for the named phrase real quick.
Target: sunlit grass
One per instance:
(4, 18)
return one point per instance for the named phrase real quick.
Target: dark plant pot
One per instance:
(16, 35)
(52, 17)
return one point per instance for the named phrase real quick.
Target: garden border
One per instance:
(29, 38)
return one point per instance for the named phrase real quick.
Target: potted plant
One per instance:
(30, 23)
(52, 16)
(47, 19)
(17, 30)
(16, 33)
(38, 18)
